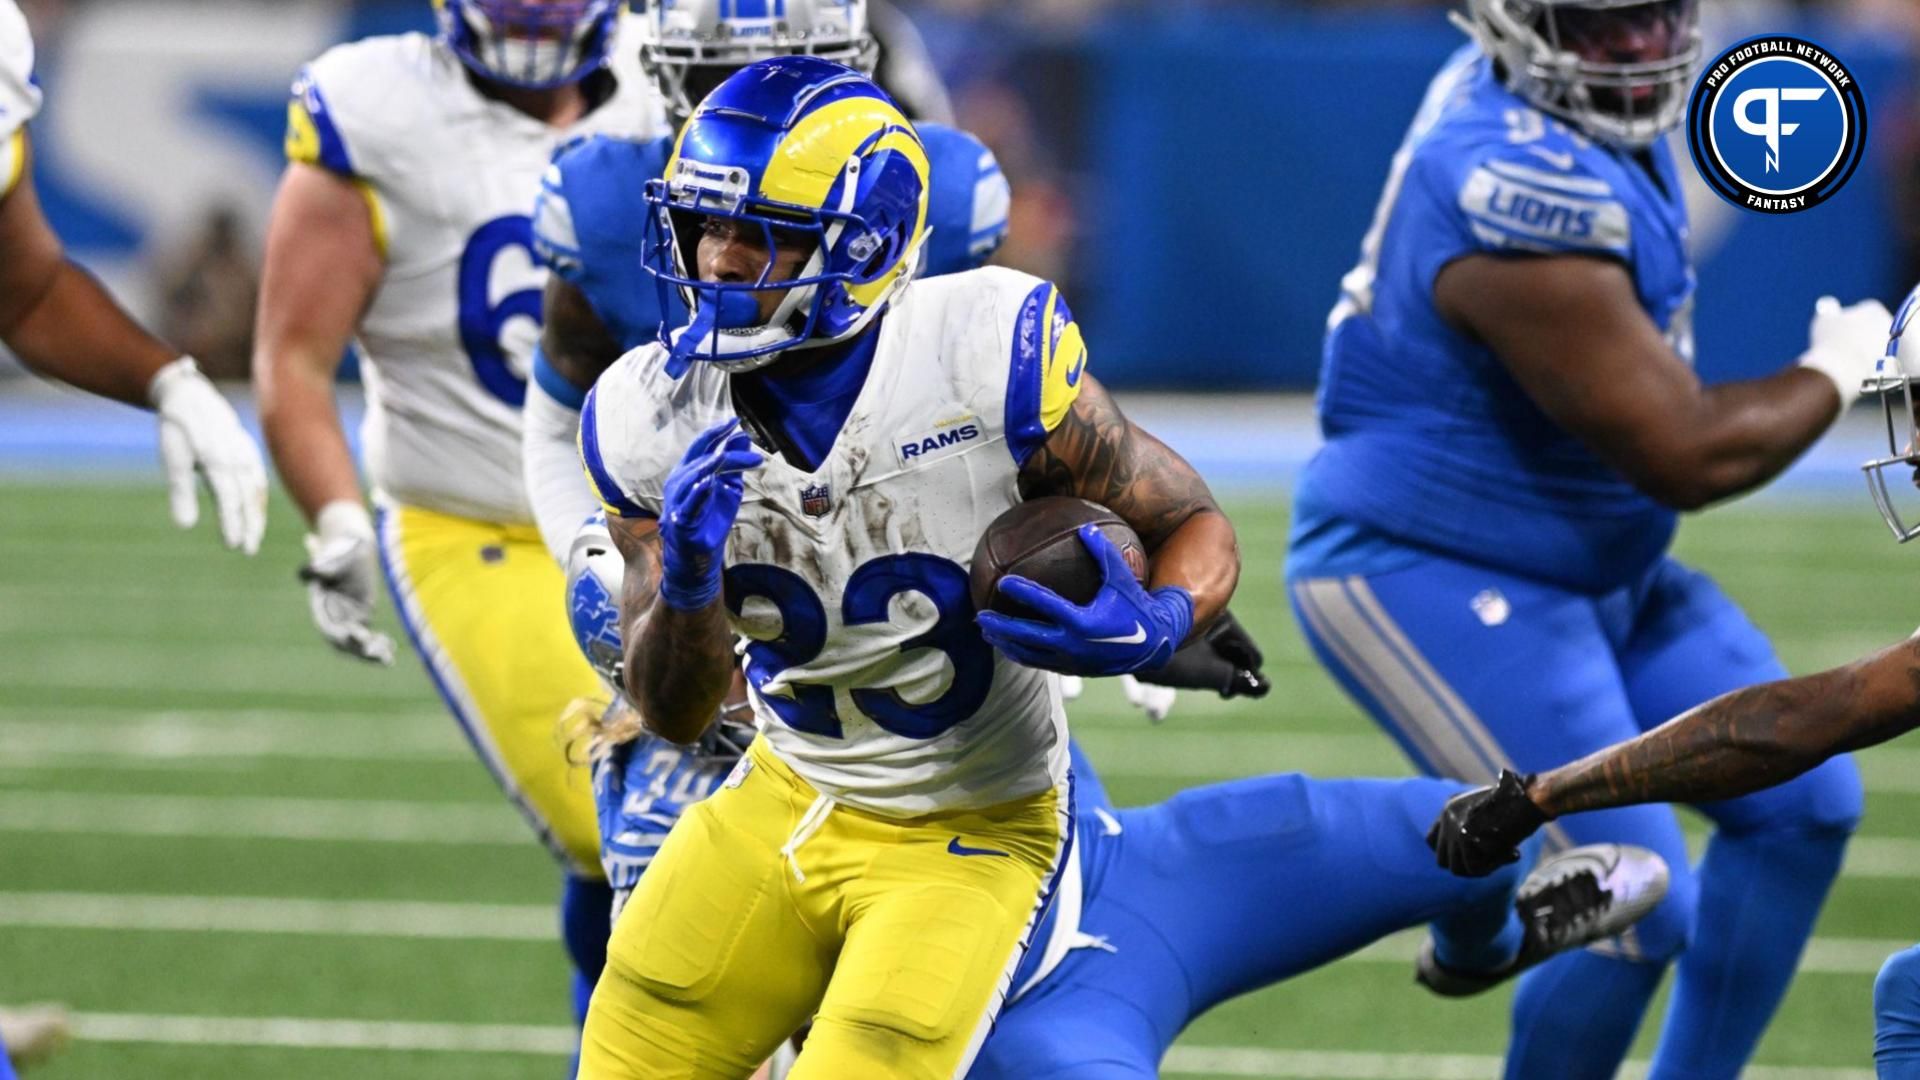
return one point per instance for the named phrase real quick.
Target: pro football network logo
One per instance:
(1777, 125)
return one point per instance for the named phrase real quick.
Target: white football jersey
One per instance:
(19, 98)
(867, 670)
(451, 177)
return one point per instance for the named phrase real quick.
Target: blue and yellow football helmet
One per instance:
(529, 43)
(809, 152)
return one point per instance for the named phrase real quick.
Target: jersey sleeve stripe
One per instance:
(556, 242)
(376, 214)
(1025, 432)
(557, 386)
(610, 494)
(312, 136)
(13, 162)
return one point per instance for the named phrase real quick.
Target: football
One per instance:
(1038, 540)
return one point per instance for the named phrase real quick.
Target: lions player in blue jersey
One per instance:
(1165, 910)
(1512, 421)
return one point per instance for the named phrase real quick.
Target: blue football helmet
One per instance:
(808, 152)
(1619, 70)
(532, 44)
(1893, 383)
(595, 572)
(692, 46)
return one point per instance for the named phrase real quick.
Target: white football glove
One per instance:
(200, 433)
(1846, 343)
(1155, 701)
(1071, 687)
(341, 580)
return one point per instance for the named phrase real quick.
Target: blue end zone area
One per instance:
(62, 435)
(1242, 443)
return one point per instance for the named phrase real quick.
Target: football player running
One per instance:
(1512, 421)
(881, 855)
(401, 224)
(599, 303)
(58, 320)
(1744, 741)
(1167, 910)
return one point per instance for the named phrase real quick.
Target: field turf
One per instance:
(236, 854)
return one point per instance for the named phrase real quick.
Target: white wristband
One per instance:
(1842, 371)
(167, 381)
(343, 518)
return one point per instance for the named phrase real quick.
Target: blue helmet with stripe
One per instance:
(804, 152)
(533, 44)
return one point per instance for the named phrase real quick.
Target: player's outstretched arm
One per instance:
(321, 268)
(1573, 333)
(679, 660)
(575, 348)
(61, 323)
(1097, 454)
(323, 263)
(1736, 744)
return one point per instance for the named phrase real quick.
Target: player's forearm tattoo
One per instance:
(1097, 455)
(1746, 740)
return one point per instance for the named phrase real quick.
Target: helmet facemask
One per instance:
(847, 250)
(1893, 383)
(1619, 70)
(531, 44)
(690, 48)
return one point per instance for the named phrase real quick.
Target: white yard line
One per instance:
(262, 915)
(305, 1034)
(535, 922)
(195, 816)
(1351, 1065)
(298, 1033)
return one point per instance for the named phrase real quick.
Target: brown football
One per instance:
(1039, 540)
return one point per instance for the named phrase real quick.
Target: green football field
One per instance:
(235, 854)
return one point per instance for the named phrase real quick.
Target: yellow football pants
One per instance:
(768, 906)
(486, 609)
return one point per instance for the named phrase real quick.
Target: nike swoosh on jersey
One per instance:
(1560, 160)
(1139, 635)
(955, 847)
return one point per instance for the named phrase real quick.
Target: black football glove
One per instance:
(1224, 660)
(1480, 831)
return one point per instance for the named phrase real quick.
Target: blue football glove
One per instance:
(702, 497)
(1123, 628)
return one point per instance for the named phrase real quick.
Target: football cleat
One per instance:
(1571, 900)
(34, 1033)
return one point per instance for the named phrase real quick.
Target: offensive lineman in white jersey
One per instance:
(879, 858)
(58, 320)
(401, 224)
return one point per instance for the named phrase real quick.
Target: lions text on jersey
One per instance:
(588, 228)
(868, 673)
(449, 175)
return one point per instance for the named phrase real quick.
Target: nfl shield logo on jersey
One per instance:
(816, 500)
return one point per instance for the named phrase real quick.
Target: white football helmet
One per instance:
(1893, 383)
(691, 46)
(1617, 69)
